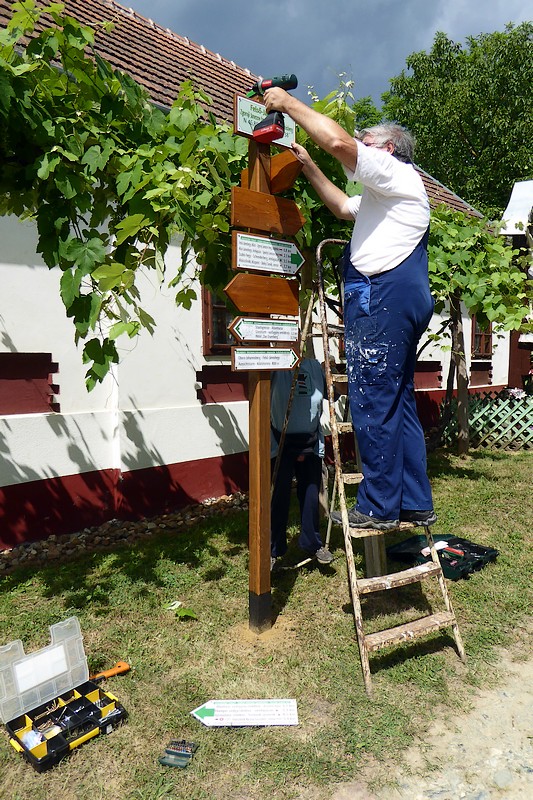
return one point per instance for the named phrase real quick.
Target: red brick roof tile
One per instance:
(160, 60)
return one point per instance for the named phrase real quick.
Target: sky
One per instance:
(368, 40)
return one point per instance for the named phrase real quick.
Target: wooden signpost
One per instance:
(255, 209)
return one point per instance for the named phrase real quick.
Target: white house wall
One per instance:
(145, 415)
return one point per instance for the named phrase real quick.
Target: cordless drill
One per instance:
(272, 127)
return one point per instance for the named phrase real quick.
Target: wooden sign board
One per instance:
(284, 169)
(263, 358)
(264, 212)
(260, 294)
(257, 329)
(247, 113)
(261, 254)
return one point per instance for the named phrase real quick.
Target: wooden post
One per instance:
(260, 595)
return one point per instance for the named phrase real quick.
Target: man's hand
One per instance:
(302, 155)
(276, 99)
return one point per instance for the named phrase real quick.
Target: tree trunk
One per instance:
(458, 350)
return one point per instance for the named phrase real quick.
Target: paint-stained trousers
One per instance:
(384, 317)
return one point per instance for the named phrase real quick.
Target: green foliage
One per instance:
(467, 258)
(108, 177)
(471, 110)
(352, 115)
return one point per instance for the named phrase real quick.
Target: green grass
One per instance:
(311, 654)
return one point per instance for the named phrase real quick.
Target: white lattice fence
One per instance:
(498, 421)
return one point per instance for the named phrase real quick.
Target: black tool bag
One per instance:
(458, 559)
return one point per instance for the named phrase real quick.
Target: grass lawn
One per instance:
(310, 654)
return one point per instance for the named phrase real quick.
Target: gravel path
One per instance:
(485, 754)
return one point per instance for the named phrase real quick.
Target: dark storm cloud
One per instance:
(368, 40)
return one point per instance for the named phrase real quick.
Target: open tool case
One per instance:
(48, 703)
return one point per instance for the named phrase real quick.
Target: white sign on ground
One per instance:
(239, 713)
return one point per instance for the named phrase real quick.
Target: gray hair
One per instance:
(403, 141)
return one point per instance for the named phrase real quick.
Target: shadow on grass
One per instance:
(89, 578)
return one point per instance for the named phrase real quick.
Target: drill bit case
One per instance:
(47, 702)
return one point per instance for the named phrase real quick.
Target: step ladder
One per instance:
(374, 540)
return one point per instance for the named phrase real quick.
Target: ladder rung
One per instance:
(361, 533)
(339, 378)
(396, 579)
(409, 631)
(344, 427)
(333, 330)
(352, 477)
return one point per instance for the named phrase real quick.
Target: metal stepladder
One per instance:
(374, 540)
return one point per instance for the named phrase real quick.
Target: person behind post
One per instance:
(301, 456)
(387, 306)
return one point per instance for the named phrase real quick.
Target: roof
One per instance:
(156, 57)
(160, 60)
(438, 193)
(519, 209)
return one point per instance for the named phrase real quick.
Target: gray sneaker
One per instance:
(323, 556)
(358, 520)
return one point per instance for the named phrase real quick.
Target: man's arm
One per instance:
(325, 132)
(333, 197)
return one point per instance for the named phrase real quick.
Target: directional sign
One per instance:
(250, 329)
(260, 294)
(284, 169)
(248, 113)
(258, 253)
(265, 212)
(258, 358)
(239, 713)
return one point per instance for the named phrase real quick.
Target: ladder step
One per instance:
(352, 477)
(395, 579)
(333, 330)
(340, 383)
(344, 427)
(362, 533)
(409, 631)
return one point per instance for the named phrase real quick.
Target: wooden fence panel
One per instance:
(497, 421)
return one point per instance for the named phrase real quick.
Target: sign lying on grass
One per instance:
(240, 713)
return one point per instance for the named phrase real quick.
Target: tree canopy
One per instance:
(471, 110)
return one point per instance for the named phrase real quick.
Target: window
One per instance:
(26, 383)
(216, 318)
(481, 341)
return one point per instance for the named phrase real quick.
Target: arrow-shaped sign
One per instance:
(258, 358)
(239, 713)
(256, 329)
(260, 294)
(265, 212)
(265, 255)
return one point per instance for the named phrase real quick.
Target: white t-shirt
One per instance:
(391, 215)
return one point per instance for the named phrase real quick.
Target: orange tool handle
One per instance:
(118, 669)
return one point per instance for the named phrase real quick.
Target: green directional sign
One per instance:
(258, 329)
(238, 713)
(259, 253)
(257, 358)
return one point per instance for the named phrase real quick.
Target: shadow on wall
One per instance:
(33, 508)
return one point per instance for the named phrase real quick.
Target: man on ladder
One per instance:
(387, 307)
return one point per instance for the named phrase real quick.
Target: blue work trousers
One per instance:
(308, 472)
(385, 316)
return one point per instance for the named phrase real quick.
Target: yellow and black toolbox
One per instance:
(48, 703)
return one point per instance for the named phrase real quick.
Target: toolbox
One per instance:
(47, 701)
(458, 557)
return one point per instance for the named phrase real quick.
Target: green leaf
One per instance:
(130, 226)
(86, 253)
